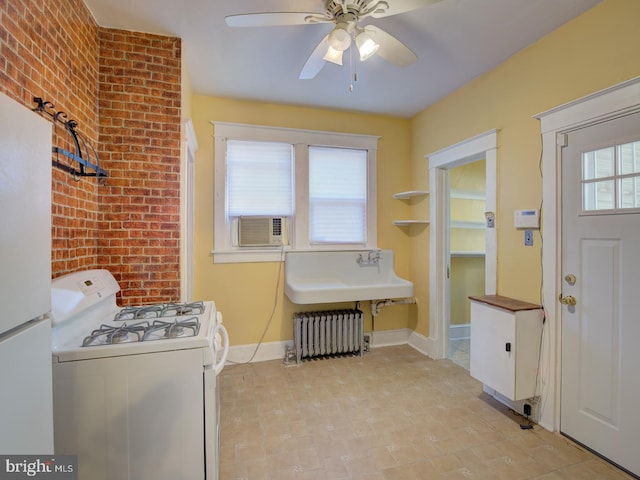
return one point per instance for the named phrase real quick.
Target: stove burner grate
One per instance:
(108, 334)
(160, 310)
(142, 331)
(182, 309)
(175, 329)
(133, 313)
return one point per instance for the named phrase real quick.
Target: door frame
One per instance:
(480, 147)
(187, 206)
(608, 104)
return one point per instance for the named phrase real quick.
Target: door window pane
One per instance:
(629, 192)
(629, 158)
(598, 195)
(598, 163)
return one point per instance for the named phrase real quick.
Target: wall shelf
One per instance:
(407, 196)
(468, 225)
(406, 223)
(468, 194)
(410, 194)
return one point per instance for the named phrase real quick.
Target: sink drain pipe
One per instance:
(377, 305)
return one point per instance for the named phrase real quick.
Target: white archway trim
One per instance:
(483, 146)
(607, 104)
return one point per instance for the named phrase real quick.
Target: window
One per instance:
(611, 179)
(323, 183)
(337, 195)
(259, 178)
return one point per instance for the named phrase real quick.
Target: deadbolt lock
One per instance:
(568, 300)
(570, 279)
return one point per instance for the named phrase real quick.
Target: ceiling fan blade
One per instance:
(272, 19)
(391, 49)
(402, 6)
(316, 61)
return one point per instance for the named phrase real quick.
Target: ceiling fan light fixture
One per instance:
(333, 55)
(340, 38)
(367, 46)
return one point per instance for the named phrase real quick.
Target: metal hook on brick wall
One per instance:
(84, 161)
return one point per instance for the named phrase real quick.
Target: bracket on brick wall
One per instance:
(84, 161)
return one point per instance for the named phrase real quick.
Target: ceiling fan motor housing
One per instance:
(357, 8)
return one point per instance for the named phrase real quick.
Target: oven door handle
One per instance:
(225, 347)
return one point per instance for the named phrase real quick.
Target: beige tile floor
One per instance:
(459, 352)
(392, 414)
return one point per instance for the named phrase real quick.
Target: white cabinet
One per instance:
(505, 344)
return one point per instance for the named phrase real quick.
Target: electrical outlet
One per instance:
(528, 238)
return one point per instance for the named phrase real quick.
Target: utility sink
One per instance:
(328, 277)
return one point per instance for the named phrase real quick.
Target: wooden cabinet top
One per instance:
(506, 303)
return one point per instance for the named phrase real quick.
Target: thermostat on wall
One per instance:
(527, 219)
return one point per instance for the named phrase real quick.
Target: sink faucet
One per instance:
(373, 258)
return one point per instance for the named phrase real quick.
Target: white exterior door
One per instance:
(601, 273)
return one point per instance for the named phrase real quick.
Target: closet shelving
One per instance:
(408, 195)
(467, 224)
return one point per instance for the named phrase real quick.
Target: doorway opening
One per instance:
(467, 246)
(480, 148)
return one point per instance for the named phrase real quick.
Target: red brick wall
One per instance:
(123, 89)
(139, 103)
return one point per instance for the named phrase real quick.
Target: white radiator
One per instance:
(333, 332)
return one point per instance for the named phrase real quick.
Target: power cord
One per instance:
(273, 311)
(527, 413)
(544, 310)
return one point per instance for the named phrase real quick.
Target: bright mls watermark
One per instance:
(49, 467)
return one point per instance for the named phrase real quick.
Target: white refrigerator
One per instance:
(26, 407)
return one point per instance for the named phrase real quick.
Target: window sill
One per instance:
(250, 255)
(277, 254)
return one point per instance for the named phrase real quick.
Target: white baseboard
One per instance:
(388, 338)
(266, 351)
(276, 350)
(459, 332)
(425, 345)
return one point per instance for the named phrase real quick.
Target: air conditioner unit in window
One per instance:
(262, 231)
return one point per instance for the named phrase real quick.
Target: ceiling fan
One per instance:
(346, 16)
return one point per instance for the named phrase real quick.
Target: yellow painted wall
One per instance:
(245, 292)
(467, 278)
(592, 52)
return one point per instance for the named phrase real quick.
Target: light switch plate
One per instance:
(528, 238)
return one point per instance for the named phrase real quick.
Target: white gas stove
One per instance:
(118, 370)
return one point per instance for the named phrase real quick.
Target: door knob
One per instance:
(570, 279)
(568, 300)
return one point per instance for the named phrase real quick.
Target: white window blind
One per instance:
(259, 178)
(337, 195)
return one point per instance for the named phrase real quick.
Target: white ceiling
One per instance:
(455, 41)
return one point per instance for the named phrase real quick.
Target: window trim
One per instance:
(223, 250)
